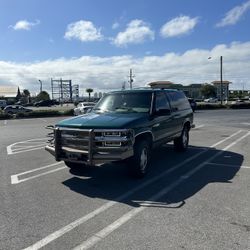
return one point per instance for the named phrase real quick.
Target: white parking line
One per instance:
(227, 165)
(36, 176)
(41, 119)
(15, 177)
(246, 123)
(55, 235)
(199, 126)
(27, 150)
(218, 143)
(126, 217)
(20, 147)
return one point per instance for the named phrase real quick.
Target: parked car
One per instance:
(46, 103)
(124, 126)
(3, 104)
(15, 109)
(83, 107)
(238, 101)
(193, 104)
(211, 100)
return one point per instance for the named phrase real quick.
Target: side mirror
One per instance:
(163, 112)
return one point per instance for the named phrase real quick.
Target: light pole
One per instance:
(41, 86)
(221, 80)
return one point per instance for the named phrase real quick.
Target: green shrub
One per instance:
(4, 116)
(240, 106)
(68, 112)
(38, 113)
(202, 106)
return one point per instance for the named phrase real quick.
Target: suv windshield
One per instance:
(125, 102)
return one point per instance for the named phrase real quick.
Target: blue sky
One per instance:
(96, 42)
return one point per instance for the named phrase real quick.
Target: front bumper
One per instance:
(89, 146)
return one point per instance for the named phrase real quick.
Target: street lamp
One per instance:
(41, 86)
(221, 81)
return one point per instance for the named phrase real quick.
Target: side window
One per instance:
(178, 100)
(161, 101)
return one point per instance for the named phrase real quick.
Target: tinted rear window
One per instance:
(178, 100)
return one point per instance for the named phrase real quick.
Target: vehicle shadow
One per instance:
(111, 181)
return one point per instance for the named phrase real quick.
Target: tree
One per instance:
(18, 95)
(89, 91)
(43, 96)
(26, 92)
(26, 95)
(208, 90)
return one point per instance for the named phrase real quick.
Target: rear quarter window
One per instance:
(178, 100)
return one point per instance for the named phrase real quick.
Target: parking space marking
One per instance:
(25, 146)
(15, 177)
(41, 119)
(55, 235)
(199, 126)
(245, 123)
(218, 143)
(227, 165)
(90, 242)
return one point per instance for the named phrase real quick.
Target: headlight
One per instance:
(114, 138)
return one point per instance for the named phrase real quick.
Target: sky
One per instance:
(95, 43)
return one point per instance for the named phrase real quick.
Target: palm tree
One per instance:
(89, 91)
(26, 94)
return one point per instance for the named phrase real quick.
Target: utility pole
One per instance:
(52, 88)
(61, 90)
(131, 78)
(221, 82)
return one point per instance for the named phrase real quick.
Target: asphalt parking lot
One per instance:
(193, 200)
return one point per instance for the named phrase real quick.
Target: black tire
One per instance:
(74, 165)
(138, 164)
(181, 143)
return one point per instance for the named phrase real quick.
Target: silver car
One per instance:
(83, 107)
(15, 109)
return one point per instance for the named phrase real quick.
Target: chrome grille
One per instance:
(76, 139)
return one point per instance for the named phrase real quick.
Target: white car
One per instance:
(211, 100)
(83, 107)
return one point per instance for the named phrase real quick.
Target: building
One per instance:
(8, 91)
(192, 90)
(224, 87)
(162, 84)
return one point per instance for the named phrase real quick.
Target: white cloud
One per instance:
(25, 25)
(136, 32)
(102, 73)
(115, 25)
(178, 26)
(84, 31)
(234, 15)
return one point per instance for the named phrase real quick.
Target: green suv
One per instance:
(124, 125)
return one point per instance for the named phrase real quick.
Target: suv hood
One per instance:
(104, 120)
